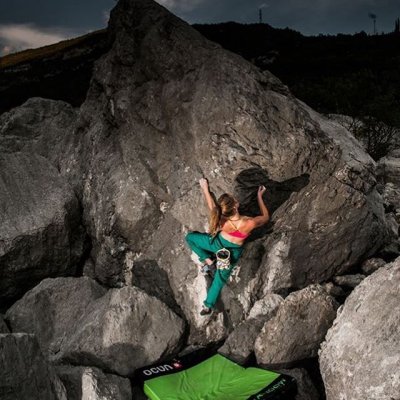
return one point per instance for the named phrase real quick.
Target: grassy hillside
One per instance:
(30, 55)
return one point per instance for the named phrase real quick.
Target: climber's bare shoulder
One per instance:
(256, 222)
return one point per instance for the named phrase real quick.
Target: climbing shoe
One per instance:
(205, 311)
(205, 269)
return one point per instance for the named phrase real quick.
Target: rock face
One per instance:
(389, 168)
(40, 232)
(298, 328)
(24, 374)
(371, 265)
(124, 330)
(3, 325)
(240, 343)
(349, 280)
(51, 310)
(389, 177)
(40, 217)
(39, 126)
(83, 383)
(165, 107)
(360, 358)
(78, 322)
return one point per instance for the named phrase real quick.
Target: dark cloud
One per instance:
(50, 20)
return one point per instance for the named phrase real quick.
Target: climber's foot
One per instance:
(205, 311)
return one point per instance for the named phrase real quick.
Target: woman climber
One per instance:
(228, 232)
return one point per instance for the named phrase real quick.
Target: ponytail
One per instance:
(215, 220)
(225, 207)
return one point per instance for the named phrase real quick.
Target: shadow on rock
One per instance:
(246, 186)
(148, 276)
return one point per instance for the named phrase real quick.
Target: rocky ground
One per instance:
(95, 278)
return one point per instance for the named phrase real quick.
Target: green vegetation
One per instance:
(30, 55)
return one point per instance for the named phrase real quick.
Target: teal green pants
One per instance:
(205, 246)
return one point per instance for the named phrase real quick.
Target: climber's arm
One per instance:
(264, 217)
(207, 195)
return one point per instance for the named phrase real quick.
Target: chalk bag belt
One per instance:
(223, 259)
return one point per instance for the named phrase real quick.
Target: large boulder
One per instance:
(41, 234)
(40, 224)
(360, 358)
(166, 106)
(296, 331)
(93, 384)
(51, 310)
(24, 373)
(39, 126)
(124, 330)
(79, 322)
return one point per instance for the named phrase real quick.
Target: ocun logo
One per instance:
(157, 370)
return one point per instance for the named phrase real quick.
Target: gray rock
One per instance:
(240, 343)
(266, 307)
(185, 104)
(39, 126)
(298, 328)
(349, 280)
(52, 309)
(92, 384)
(124, 330)
(389, 169)
(24, 374)
(155, 121)
(371, 265)
(3, 325)
(305, 387)
(393, 224)
(40, 224)
(333, 290)
(360, 358)
(77, 321)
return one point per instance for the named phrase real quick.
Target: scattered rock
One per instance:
(266, 307)
(371, 265)
(360, 357)
(24, 374)
(389, 169)
(240, 343)
(298, 328)
(91, 383)
(333, 290)
(349, 280)
(124, 330)
(51, 310)
(77, 321)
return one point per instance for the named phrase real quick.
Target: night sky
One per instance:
(29, 24)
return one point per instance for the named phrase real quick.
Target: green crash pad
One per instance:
(216, 378)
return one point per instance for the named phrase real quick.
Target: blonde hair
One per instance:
(225, 207)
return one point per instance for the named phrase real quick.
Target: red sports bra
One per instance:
(236, 232)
